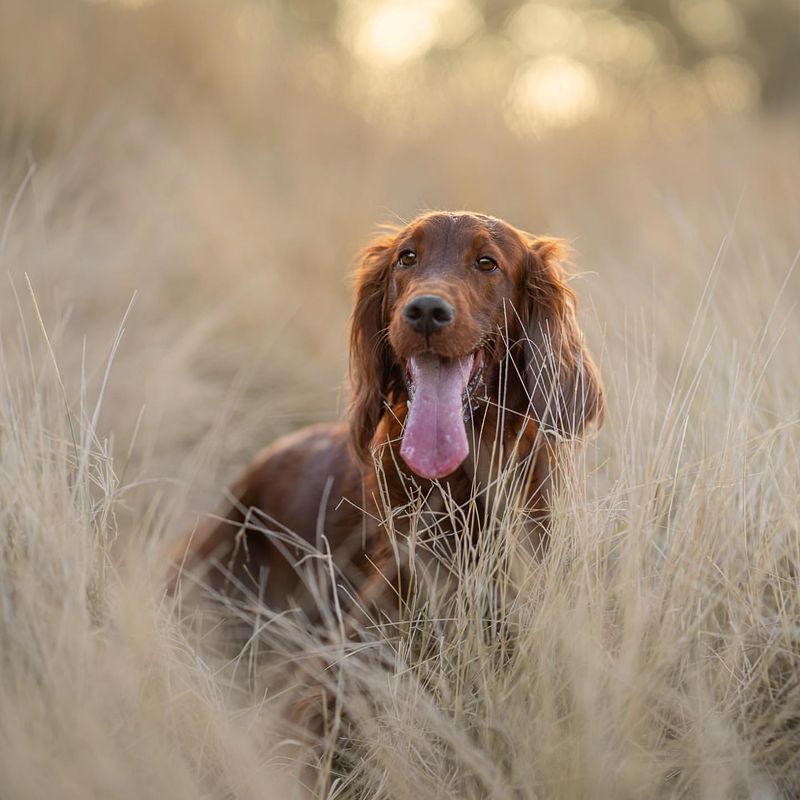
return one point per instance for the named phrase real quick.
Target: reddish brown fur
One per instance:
(323, 482)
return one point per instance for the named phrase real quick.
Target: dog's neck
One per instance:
(507, 472)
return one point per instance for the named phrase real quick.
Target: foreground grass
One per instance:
(654, 653)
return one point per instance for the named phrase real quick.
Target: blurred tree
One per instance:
(764, 34)
(768, 37)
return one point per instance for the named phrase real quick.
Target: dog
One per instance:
(466, 360)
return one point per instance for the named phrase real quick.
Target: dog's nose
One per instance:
(428, 313)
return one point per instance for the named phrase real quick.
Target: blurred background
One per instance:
(221, 163)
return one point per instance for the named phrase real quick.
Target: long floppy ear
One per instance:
(370, 357)
(562, 382)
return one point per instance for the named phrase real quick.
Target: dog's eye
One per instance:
(486, 264)
(407, 259)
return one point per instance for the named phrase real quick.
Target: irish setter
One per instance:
(466, 360)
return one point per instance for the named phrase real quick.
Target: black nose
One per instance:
(428, 313)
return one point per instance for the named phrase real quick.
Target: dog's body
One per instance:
(466, 364)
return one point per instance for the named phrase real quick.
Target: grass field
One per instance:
(175, 243)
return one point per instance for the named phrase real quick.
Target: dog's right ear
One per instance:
(564, 390)
(371, 361)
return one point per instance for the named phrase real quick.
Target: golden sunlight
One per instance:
(554, 91)
(394, 33)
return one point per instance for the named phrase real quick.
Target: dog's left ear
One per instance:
(563, 387)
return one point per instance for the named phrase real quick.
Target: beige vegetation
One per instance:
(175, 242)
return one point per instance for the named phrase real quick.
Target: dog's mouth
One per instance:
(441, 398)
(470, 365)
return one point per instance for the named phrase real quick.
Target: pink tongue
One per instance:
(435, 439)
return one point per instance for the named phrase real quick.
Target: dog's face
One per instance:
(450, 312)
(453, 280)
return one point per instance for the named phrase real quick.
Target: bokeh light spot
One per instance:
(731, 83)
(539, 28)
(712, 23)
(619, 43)
(394, 33)
(554, 91)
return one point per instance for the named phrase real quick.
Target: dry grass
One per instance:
(655, 653)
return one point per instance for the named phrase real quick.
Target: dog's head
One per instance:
(456, 310)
